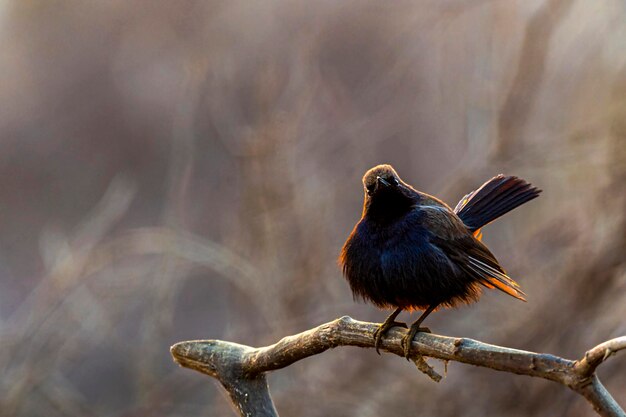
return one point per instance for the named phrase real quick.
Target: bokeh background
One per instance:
(190, 169)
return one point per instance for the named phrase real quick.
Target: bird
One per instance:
(411, 251)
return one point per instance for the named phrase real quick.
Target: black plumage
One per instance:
(411, 251)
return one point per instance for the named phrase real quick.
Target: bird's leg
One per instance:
(415, 327)
(384, 328)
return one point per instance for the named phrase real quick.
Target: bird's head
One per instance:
(386, 195)
(381, 179)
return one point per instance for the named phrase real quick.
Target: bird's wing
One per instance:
(467, 252)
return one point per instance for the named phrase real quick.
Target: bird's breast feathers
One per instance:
(400, 248)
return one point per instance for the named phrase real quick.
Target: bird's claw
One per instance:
(382, 331)
(408, 339)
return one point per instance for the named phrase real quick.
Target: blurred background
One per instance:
(189, 170)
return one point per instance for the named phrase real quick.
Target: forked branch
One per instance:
(241, 369)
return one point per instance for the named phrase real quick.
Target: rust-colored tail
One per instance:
(494, 198)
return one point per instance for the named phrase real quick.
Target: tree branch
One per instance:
(594, 357)
(241, 369)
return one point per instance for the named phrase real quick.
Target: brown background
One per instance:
(190, 169)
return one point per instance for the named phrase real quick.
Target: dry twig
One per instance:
(241, 369)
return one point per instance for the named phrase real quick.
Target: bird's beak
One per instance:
(382, 181)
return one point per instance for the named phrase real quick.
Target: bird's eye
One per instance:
(393, 181)
(371, 187)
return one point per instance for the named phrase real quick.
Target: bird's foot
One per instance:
(408, 339)
(383, 329)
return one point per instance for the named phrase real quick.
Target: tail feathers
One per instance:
(494, 198)
(492, 278)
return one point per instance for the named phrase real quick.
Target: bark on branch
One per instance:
(241, 369)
